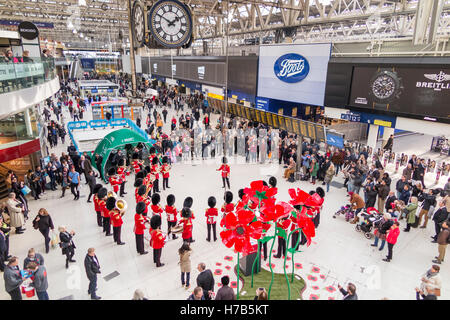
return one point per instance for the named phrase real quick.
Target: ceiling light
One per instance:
(74, 31)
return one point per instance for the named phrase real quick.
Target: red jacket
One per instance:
(139, 223)
(157, 239)
(157, 209)
(225, 170)
(393, 235)
(145, 200)
(211, 215)
(284, 225)
(115, 181)
(165, 171)
(103, 209)
(155, 169)
(121, 172)
(227, 207)
(171, 213)
(136, 166)
(116, 218)
(96, 206)
(187, 228)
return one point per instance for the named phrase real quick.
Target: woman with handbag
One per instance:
(64, 180)
(66, 244)
(44, 223)
(381, 231)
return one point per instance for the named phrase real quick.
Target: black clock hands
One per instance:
(166, 20)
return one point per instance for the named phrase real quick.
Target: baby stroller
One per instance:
(369, 220)
(346, 211)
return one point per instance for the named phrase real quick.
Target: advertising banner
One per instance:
(335, 140)
(294, 72)
(417, 91)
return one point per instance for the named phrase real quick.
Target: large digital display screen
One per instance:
(403, 90)
(294, 72)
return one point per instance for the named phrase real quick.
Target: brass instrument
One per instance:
(122, 206)
(111, 194)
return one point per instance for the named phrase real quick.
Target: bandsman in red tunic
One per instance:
(142, 197)
(165, 170)
(137, 184)
(114, 179)
(121, 171)
(148, 180)
(155, 169)
(152, 155)
(139, 227)
(294, 226)
(227, 206)
(186, 222)
(282, 223)
(136, 163)
(97, 209)
(156, 208)
(211, 215)
(171, 213)
(106, 217)
(102, 194)
(225, 168)
(157, 239)
(116, 219)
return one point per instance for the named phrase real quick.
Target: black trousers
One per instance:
(99, 219)
(116, 234)
(170, 225)
(70, 252)
(213, 227)
(46, 238)
(437, 228)
(165, 183)
(281, 247)
(140, 243)
(227, 180)
(92, 286)
(16, 294)
(73, 188)
(263, 249)
(122, 188)
(390, 249)
(107, 225)
(157, 256)
(156, 185)
(91, 191)
(2, 261)
(294, 240)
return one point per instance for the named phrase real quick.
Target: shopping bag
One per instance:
(54, 240)
(25, 190)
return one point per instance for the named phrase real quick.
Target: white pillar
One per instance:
(372, 136)
(386, 134)
(28, 123)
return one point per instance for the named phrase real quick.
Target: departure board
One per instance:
(281, 123)
(263, 117)
(296, 126)
(303, 130)
(311, 130)
(288, 124)
(269, 119)
(320, 135)
(275, 120)
(258, 115)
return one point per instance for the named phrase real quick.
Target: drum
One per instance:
(177, 229)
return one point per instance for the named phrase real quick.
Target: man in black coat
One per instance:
(439, 216)
(92, 267)
(205, 280)
(350, 294)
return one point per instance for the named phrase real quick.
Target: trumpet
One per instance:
(111, 194)
(122, 206)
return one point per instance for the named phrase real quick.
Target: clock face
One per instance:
(138, 24)
(383, 87)
(170, 23)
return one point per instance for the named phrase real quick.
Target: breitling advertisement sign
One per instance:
(402, 90)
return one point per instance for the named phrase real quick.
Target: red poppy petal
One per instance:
(228, 238)
(245, 216)
(257, 185)
(239, 244)
(230, 220)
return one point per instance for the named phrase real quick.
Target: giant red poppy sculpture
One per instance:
(258, 193)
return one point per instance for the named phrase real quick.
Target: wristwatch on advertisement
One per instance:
(385, 86)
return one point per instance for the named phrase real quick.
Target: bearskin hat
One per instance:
(138, 182)
(273, 182)
(121, 162)
(320, 192)
(165, 159)
(188, 202)
(152, 150)
(155, 221)
(155, 199)
(110, 203)
(135, 156)
(224, 160)
(241, 193)
(264, 183)
(140, 175)
(170, 200)
(97, 187)
(142, 189)
(140, 207)
(111, 171)
(147, 169)
(155, 160)
(211, 202)
(311, 192)
(228, 197)
(102, 193)
(186, 212)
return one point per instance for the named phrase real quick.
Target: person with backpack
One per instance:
(443, 240)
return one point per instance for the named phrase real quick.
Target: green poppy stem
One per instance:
(270, 264)
(293, 263)
(238, 267)
(258, 255)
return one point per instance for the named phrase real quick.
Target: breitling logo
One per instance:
(439, 84)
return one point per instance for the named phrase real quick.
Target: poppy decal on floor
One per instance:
(330, 289)
(298, 266)
(288, 259)
(218, 264)
(219, 285)
(322, 276)
(315, 269)
(227, 267)
(228, 258)
(315, 287)
(330, 298)
(313, 297)
(273, 265)
(312, 278)
(233, 284)
(218, 272)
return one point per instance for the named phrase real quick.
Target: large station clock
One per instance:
(170, 23)
(138, 24)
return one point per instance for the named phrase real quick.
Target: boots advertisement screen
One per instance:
(402, 90)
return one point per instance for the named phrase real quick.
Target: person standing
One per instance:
(410, 211)
(92, 183)
(391, 239)
(139, 227)
(205, 280)
(383, 192)
(15, 211)
(225, 168)
(431, 279)
(439, 217)
(225, 292)
(171, 213)
(13, 279)
(92, 267)
(185, 264)
(350, 293)
(211, 218)
(74, 179)
(44, 223)
(429, 200)
(40, 282)
(442, 240)
(2, 247)
(157, 240)
(329, 174)
(389, 143)
(33, 256)
(66, 244)
(381, 231)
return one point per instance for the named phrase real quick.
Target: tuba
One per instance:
(122, 206)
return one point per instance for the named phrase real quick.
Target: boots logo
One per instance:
(291, 68)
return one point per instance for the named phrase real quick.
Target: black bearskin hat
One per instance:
(211, 202)
(142, 189)
(224, 160)
(265, 183)
(111, 171)
(110, 203)
(186, 212)
(155, 199)
(155, 160)
(165, 159)
(147, 169)
(138, 182)
(121, 162)
(170, 200)
(273, 182)
(135, 156)
(320, 192)
(188, 202)
(140, 175)
(311, 192)
(152, 150)
(97, 187)
(155, 221)
(241, 193)
(102, 193)
(140, 207)
(228, 197)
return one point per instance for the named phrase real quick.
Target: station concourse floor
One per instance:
(338, 253)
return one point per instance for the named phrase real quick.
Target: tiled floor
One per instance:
(339, 252)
